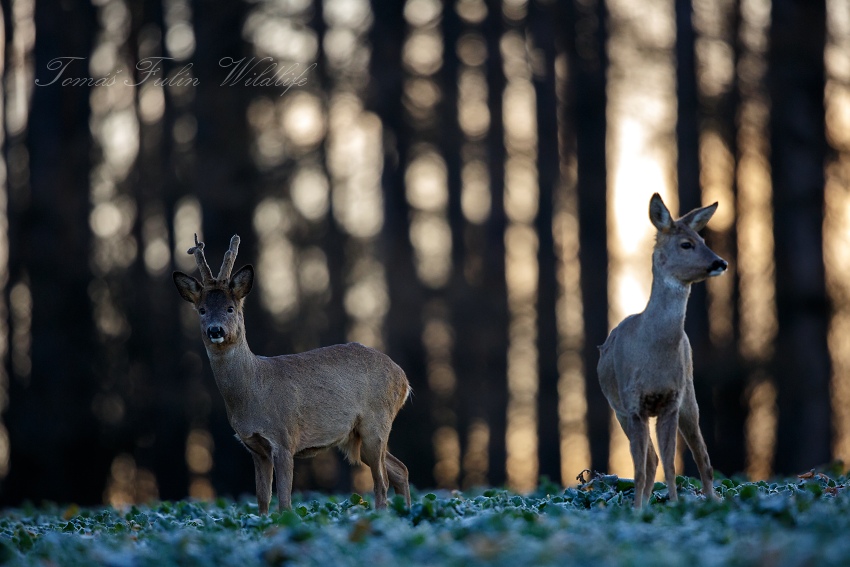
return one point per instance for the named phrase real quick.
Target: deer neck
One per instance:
(235, 371)
(664, 316)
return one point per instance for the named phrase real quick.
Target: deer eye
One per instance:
(230, 309)
(202, 311)
(686, 245)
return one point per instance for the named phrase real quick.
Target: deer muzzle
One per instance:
(717, 267)
(215, 334)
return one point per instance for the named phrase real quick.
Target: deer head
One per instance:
(219, 300)
(679, 251)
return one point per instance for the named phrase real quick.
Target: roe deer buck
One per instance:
(289, 406)
(646, 366)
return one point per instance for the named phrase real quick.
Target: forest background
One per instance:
(461, 184)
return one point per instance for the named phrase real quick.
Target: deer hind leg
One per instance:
(373, 452)
(666, 428)
(637, 430)
(689, 426)
(398, 477)
(651, 467)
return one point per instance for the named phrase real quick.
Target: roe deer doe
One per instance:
(646, 366)
(289, 406)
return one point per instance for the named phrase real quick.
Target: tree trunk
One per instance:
(796, 80)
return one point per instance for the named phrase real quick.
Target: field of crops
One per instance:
(799, 521)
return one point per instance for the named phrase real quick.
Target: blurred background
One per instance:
(461, 184)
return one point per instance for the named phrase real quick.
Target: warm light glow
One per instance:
(19, 73)
(757, 292)
(476, 458)
(431, 238)
(303, 120)
(114, 126)
(367, 301)
(515, 9)
(438, 340)
(282, 37)
(108, 317)
(157, 255)
(715, 57)
(199, 448)
(201, 488)
(5, 451)
(446, 457)
(361, 479)
(310, 192)
(428, 195)
(277, 278)
(521, 268)
(20, 306)
(421, 97)
(352, 14)
(268, 148)
(368, 298)
(717, 170)
(118, 131)
(473, 115)
(128, 484)
(179, 35)
(520, 112)
(836, 226)
(355, 161)
(475, 191)
(572, 401)
(313, 275)
(187, 223)
(113, 218)
(641, 155)
(422, 13)
(347, 50)
(472, 50)
(473, 112)
(760, 429)
(425, 182)
(473, 11)
(422, 52)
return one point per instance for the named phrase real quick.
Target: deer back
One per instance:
(316, 398)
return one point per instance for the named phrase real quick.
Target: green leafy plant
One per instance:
(796, 521)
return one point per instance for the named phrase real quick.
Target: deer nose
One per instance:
(718, 266)
(215, 333)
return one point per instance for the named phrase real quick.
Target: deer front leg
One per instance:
(284, 465)
(637, 430)
(666, 427)
(263, 478)
(689, 426)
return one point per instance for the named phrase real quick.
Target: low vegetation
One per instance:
(799, 521)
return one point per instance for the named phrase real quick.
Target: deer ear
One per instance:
(658, 214)
(242, 281)
(698, 218)
(189, 287)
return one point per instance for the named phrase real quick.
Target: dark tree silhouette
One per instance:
(54, 435)
(588, 101)
(798, 143)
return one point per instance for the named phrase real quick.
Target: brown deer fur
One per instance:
(289, 406)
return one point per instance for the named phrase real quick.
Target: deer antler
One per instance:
(229, 259)
(198, 251)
